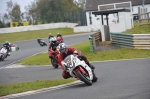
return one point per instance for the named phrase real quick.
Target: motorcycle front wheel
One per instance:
(83, 78)
(54, 64)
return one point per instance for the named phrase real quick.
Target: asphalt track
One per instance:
(125, 79)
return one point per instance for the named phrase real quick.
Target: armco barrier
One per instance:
(37, 27)
(137, 41)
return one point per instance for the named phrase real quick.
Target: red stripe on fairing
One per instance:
(81, 69)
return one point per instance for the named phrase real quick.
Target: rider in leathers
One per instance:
(7, 45)
(53, 45)
(64, 52)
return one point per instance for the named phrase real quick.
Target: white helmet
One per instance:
(63, 48)
(6, 42)
(53, 39)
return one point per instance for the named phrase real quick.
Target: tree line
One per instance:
(43, 11)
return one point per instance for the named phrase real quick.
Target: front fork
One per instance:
(81, 70)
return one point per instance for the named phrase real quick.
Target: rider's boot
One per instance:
(94, 76)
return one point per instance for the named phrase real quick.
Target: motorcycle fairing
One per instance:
(74, 64)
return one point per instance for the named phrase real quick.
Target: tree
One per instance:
(4, 21)
(55, 10)
(14, 12)
(31, 12)
(50, 10)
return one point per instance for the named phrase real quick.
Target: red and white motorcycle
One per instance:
(79, 69)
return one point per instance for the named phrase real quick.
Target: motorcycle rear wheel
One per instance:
(1, 58)
(83, 78)
(94, 77)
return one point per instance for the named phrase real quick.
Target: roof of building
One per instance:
(92, 5)
(110, 11)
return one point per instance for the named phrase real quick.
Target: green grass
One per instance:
(123, 53)
(39, 59)
(143, 29)
(27, 86)
(27, 35)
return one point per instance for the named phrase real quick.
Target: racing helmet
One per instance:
(63, 48)
(7, 42)
(53, 39)
(59, 39)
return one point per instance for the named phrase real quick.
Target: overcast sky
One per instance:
(22, 3)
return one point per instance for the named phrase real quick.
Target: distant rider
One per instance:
(53, 43)
(50, 36)
(59, 38)
(7, 46)
(59, 35)
(39, 40)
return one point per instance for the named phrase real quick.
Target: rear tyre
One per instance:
(83, 78)
(1, 58)
(94, 77)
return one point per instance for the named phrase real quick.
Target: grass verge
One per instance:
(27, 86)
(123, 53)
(143, 29)
(27, 35)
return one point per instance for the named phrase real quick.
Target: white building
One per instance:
(94, 22)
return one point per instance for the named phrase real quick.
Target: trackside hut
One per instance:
(95, 21)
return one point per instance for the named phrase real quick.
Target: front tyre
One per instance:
(83, 78)
(54, 64)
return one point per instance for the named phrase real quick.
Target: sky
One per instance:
(22, 3)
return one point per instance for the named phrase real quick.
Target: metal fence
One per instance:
(144, 16)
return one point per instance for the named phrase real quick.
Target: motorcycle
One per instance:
(53, 55)
(79, 69)
(13, 47)
(3, 53)
(42, 43)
